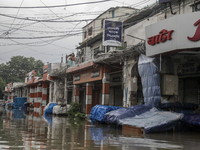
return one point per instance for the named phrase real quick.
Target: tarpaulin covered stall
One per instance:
(114, 116)
(97, 113)
(153, 120)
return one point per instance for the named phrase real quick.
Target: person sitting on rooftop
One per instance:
(72, 57)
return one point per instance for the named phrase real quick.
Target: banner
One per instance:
(112, 35)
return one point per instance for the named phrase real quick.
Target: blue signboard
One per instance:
(112, 35)
(164, 1)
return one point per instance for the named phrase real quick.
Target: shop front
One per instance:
(92, 86)
(176, 43)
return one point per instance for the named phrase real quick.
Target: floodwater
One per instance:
(28, 132)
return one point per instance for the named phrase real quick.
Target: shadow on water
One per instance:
(29, 132)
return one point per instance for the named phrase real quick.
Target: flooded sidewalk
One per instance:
(29, 132)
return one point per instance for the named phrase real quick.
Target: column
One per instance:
(39, 98)
(76, 93)
(32, 94)
(105, 87)
(44, 95)
(65, 92)
(88, 98)
(35, 99)
(12, 96)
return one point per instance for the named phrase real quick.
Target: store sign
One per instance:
(89, 75)
(112, 35)
(77, 78)
(163, 36)
(116, 79)
(164, 1)
(31, 77)
(45, 71)
(180, 32)
(196, 36)
(95, 73)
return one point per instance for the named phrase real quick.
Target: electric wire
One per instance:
(85, 3)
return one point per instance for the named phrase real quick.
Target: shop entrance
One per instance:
(118, 96)
(191, 86)
(95, 97)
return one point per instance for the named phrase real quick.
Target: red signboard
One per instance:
(163, 36)
(196, 36)
(31, 77)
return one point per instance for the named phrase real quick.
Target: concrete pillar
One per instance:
(65, 91)
(54, 92)
(39, 98)
(76, 93)
(50, 92)
(44, 95)
(88, 98)
(35, 99)
(105, 87)
(32, 93)
(12, 97)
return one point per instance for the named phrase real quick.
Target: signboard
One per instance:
(9, 86)
(77, 78)
(31, 77)
(95, 73)
(180, 32)
(164, 1)
(46, 69)
(88, 76)
(112, 35)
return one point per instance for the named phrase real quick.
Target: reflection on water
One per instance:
(29, 132)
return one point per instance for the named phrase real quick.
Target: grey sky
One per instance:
(48, 49)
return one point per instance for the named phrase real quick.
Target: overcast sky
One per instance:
(62, 37)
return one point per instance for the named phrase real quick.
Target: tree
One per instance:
(2, 85)
(17, 68)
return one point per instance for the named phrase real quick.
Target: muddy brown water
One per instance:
(28, 132)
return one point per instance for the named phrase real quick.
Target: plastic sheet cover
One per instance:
(19, 102)
(97, 113)
(24, 108)
(48, 110)
(114, 116)
(178, 105)
(150, 78)
(153, 120)
(192, 119)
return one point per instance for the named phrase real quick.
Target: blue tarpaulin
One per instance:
(192, 119)
(18, 114)
(150, 78)
(10, 104)
(153, 120)
(49, 109)
(24, 107)
(19, 102)
(114, 116)
(97, 113)
(178, 105)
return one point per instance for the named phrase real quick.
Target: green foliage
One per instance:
(2, 85)
(16, 69)
(73, 112)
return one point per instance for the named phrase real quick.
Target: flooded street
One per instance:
(29, 132)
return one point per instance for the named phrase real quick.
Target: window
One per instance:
(90, 31)
(113, 13)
